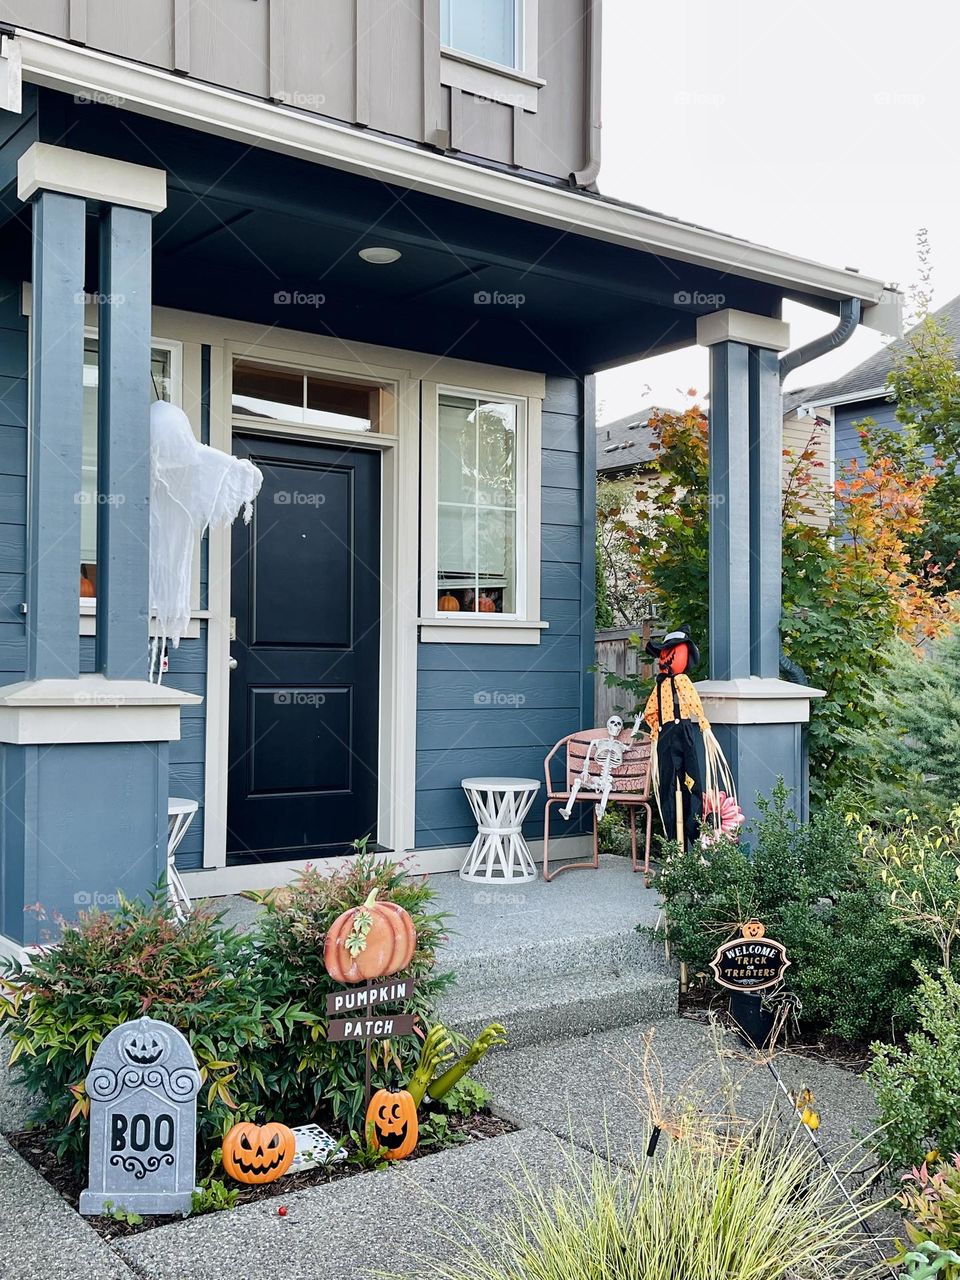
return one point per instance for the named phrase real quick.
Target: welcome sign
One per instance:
(751, 962)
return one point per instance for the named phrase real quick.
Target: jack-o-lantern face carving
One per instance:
(392, 1123)
(257, 1153)
(143, 1048)
(753, 929)
(674, 661)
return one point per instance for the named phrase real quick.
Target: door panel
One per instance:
(304, 695)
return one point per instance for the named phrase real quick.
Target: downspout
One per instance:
(851, 310)
(587, 176)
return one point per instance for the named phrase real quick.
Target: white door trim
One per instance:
(398, 613)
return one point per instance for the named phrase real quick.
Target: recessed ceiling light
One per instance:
(379, 254)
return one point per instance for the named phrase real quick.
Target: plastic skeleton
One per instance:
(608, 753)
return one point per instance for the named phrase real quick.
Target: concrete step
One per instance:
(566, 1005)
(556, 958)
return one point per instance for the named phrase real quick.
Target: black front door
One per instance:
(304, 694)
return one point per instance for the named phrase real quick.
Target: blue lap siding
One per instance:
(497, 709)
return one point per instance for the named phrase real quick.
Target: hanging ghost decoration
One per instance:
(192, 487)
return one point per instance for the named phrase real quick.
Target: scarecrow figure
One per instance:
(676, 718)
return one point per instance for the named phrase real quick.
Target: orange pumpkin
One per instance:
(258, 1153)
(87, 589)
(448, 604)
(486, 605)
(392, 1127)
(372, 941)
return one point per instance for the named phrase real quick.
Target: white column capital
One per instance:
(44, 167)
(743, 326)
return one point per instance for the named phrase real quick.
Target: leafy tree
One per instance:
(925, 380)
(845, 600)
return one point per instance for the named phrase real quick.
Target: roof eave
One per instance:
(59, 65)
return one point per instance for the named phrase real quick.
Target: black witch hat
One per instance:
(680, 636)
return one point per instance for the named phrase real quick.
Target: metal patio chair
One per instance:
(631, 788)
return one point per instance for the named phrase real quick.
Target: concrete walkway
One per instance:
(582, 1087)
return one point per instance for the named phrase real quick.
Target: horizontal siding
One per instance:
(847, 444)
(498, 709)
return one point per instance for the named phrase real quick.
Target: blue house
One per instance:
(863, 393)
(362, 246)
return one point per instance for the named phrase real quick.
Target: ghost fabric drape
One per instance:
(192, 488)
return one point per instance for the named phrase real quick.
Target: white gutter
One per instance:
(197, 105)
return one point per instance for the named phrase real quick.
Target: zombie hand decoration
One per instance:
(675, 713)
(437, 1049)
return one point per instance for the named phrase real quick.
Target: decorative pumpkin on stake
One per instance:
(369, 942)
(256, 1153)
(674, 713)
(391, 1123)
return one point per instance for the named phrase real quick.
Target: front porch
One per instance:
(229, 273)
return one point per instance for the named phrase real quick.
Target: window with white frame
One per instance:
(481, 515)
(487, 29)
(165, 369)
(478, 498)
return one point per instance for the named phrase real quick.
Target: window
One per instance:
(164, 366)
(488, 29)
(480, 512)
(265, 393)
(477, 494)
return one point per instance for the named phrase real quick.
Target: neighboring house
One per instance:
(861, 393)
(623, 450)
(362, 246)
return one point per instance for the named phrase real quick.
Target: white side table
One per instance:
(180, 813)
(499, 854)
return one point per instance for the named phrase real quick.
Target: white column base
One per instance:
(756, 700)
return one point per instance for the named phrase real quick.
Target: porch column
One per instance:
(84, 757)
(123, 454)
(758, 718)
(56, 413)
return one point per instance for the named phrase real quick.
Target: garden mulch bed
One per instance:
(31, 1145)
(700, 1000)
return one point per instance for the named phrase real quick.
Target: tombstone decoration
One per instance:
(751, 962)
(142, 1085)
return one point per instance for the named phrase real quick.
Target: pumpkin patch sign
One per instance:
(142, 1085)
(751, 962)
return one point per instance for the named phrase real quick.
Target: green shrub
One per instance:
(918, 1086)
(253, 1006)
(303, 1074)
(109, 968)
(765, 1210)
(851, 965)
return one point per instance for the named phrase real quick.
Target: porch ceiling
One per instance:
(244, 225)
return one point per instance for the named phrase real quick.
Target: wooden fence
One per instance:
(616, 654)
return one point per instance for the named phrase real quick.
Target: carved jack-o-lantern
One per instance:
(143, 1048)
(392, 1123)
(257, 1153)
(753, 929)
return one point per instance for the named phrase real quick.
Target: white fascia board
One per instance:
(850, 397)
(275, 127)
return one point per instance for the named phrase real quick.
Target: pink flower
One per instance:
(724, 815)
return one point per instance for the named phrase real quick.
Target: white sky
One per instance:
(825, 128)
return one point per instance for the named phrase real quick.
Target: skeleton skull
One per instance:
(614, 726)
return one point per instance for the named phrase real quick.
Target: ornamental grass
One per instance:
(767, 1209)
